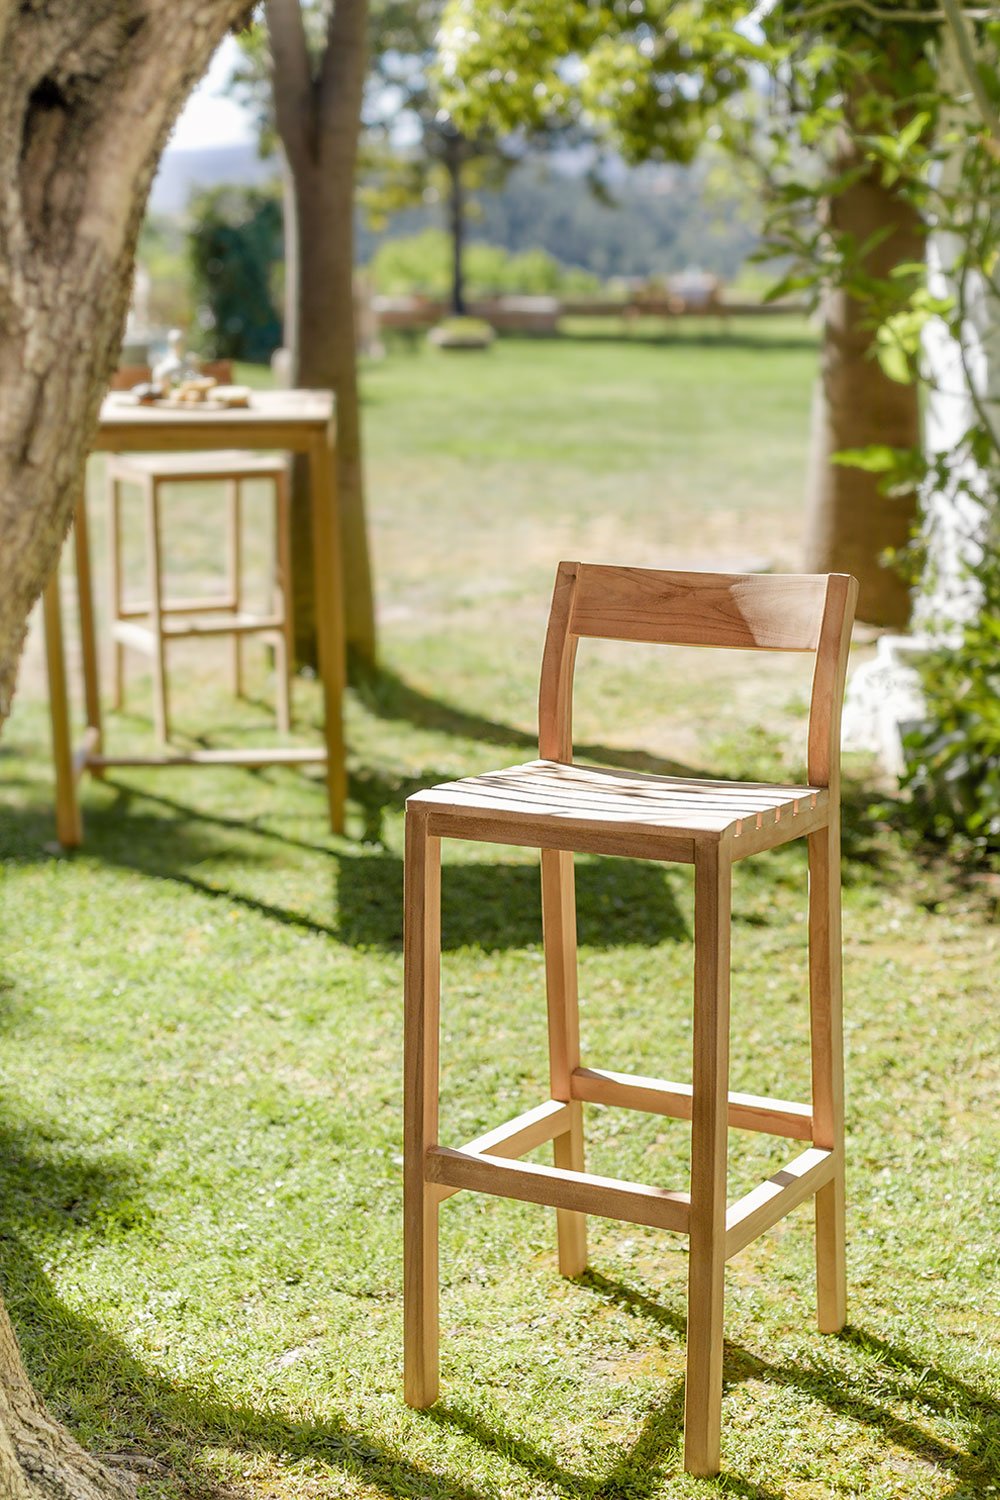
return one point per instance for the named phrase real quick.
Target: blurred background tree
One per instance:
(655, 81)
(843, 81)
(304, 73)
(414, 151)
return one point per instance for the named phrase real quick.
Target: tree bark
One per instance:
(88, 93)
(37, 1456)
(849, 522)
(318, 114)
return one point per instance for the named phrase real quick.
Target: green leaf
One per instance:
(911, 133)
(894, 363)
(796, 282)
(878, 458)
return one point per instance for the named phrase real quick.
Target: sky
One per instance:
(210, 119)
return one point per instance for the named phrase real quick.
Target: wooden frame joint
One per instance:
(522, 1134)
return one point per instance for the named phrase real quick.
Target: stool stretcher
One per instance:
(488, 1164)
(653, 1096)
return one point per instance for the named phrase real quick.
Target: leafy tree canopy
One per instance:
(642, 75)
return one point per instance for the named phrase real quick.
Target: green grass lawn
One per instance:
(200, 1176)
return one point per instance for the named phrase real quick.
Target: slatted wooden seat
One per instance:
(623, 808)
(558, 807)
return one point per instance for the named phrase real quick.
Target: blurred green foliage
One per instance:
(163, 255)
(421, 263)
(953, 758)
(235, 244)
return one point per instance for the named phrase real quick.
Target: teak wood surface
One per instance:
(558, 807)
(286, 421)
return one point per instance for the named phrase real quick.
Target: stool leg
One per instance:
(710, 1083)
(161, 716)
(115, 576)
(235, 539)
(88, 632)
(559, 936)
(826, 1024)
(421, 1003)
(284, 655)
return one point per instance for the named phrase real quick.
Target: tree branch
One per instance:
(291, 74)
(956, 23)
(877, 12)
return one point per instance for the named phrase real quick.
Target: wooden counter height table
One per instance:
(292, 421)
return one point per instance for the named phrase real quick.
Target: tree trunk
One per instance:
(318, 113)
(290, 228)
(456, 224)
(37, 1456)
(88, 93)
(325, 357)
(849, 523)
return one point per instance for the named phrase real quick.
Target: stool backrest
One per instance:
(810, 612)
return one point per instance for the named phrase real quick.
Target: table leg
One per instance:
(329, 618)
(88, 637)
(69, 828)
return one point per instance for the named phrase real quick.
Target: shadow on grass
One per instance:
(149, 1425)
(877, 844)
(490, 906)
(388, 696)
(496, 905)
(640, 1470)
(901, 1377)
(160, 1428)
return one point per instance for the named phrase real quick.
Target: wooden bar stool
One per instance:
(148, 625)
(559, 807)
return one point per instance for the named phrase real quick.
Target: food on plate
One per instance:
(195, 389)
(232, 395)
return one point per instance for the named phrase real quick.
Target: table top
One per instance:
(315, 408)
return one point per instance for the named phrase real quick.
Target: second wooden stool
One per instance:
(147, 625)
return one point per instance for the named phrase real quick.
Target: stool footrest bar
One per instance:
(143, 637)
(653, 1096)
(142, 609)
(520, 1135)
(288, 755)
(580, 1191)
(773, 1199)
(524, 1132)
